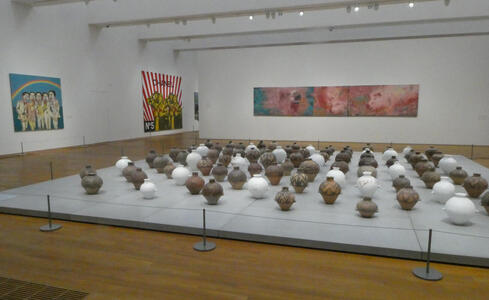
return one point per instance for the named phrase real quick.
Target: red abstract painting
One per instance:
(384, 100)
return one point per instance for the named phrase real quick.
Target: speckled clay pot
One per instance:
(138, 178)
(296, 158)
(485, 201)
(408, 155)
(88, 169)
(267, 159)
(430, 151)
(368, 161)
(325, 154)
(343, 156)
(168, 169)
(363, 169)
(401, 182)
(254, 168)
(194, 183)
(182, 158)
(422, 166)
(173, 153)
(213, 155)
(435, 158)
(391, 161)
(295, 147)
(305, 153)
(212, 191)
(253, 155)
(272, 146)
(274, 173)
(367, 208)
(415, 158)
(261, 145)
(287, 167)
(407, 198)
(430, 177)
(150, 157)
(160, 162)
(330, 149)
(284, 198)
(310, 168)
(219, 172)
(225, 159)
(205, 166)
(288, 150)
(127, 171)
(241, 146)
(458, 175)
(237, 178)
(237, 151)
(329, 190)
(475, 185)
(299, 181)
(343, 165)
(92, 183)
(228, 150)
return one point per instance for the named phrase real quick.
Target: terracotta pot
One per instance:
(391, 161)
(219, 172)
(285, 199)
(254, 168)
(343, 156)
(150, 157)
(182, 158)
(138, 178)
(475, 185)
(329, 190)
(485, 201)
(435, 158)
(88, 169)
(173, 153)
(253, 155)
(299, 181)
(430, 151)
(287, 167)
(168, 170)
(363, 169)
(267, 159)
(401, 182)
(310, 168)
(343, 165)
(213, 155)
(422, 166)
(92, 183)
(237, 178)
(160, 162)
(205, 166)
(274, 173)
(296, 158)
(430, 177)
(407, 198)
(367, 208)
(225, 159)
(212, 191)
(128, 171)
(194, 183)
(458, 175)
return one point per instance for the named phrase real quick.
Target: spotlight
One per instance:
(251, 18)
(348, 9)
(301, 13)
(411, 4)
(184, 22)
(447, 2)
(356, 9)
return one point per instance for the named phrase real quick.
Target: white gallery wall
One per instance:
(99, 71)
(453, 74)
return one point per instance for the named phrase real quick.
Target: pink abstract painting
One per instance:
(331, 101)
(384, 100)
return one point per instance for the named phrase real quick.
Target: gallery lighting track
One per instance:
(252, 14)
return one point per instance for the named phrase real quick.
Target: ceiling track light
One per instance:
(356, 8)
(301, 13)
(251, 18)
(411, 4)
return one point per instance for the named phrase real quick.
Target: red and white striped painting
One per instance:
(162, 101)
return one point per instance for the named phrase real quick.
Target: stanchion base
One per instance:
(208, 246)
(47, 228)
(433, 275)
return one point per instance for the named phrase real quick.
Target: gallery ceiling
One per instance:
(188, 25)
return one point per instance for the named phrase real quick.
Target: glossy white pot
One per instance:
(148, 189)
(390, 152)
(122, 163)
(443, 190)
(280, 154)
(250, 147)
(258, 186)
(180, 175)
(202, 150)
(192, 160)
(396, 169)
(460, 209)
(311, 149)
(240, 162)
(366, 149)
(318, 158)
(406, 150)
(367, 184)
(338, 176)
(447, 164)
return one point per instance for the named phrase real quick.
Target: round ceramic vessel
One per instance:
(285, 199)
(150, 158)
(219, 172)
(122, 163)
(401, 182)
(168, 169)
(447, 164)
(475, 185)
(160, 162)
(148, 188)
(194, 183)
(205, 166)
(267, 159)
(460, 209)
(237, 178)
(367, 208)
(430, 178)
(443, 190)
(338, 176)
(138, 177)
(212, 191)
(299, 182)
(127, 171)
(406, 150)
(213, 155)
(180, 175)
(253, 155)
(274, 173)
(287, 167)
(310, 168)
(407, 198)
(239, 161)
(458, 175)
(367, 185)
(257, 186)
(87, 169)
(390, 152)
(396, 169)
(92, 183)
(296, 158)
(329, 190)
(202, 150)
(318, 159)
(254, 168)
(280, 154)
(192, 160)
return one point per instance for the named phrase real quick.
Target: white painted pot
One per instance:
(280, 154)
(180, 175)
(389, 153)
(311, 149)
(202, 150)
(367, 184)
(122, 163)
(258, 186)
(443, 190)
(447, 164)
(192, 160)
(338, 176)
(318, 158)
(406, 150)
(460, 209)
(239, 161)
(250, 147)
(396, 169)
(148, 189)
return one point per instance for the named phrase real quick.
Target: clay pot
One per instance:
(325, 155)
(239, 161)
(274, 173)
(415, 158)
(182, 158)
(209, 145)
(485, 202)
(137, 178)
(205, 166)
(219, 172)
(253, 155)
(388, 153)
(272, 146)
(475, 185)
(267, 159)
(257, 186)
(225, 159)
(396, 169)
(254, 168)
(148, 189)
(237, 178)
(218, 147)
(228, 150)
(311, 149)
(174, 153)
(193, 159)
(343, 165)
(458, 175)
(128, 171)
(329, 190)
(212, 191)
(237, 151)
(318, 158)
(280, 154)
(202, 150)
(401, 182)
(160, 162)
(407, 198)
(330, 149)
(241, 146)
(435, 158)
(261, 145)
(288, 150)
(310, 168)
(92, 183)
(168, 170)
(87, 169)
(430, 151)
(367, 153)
(230, 144)
(296, 158)
(430, 178)
(460, 209)
(180, 175)
(250, 147)
(287, 167)
(443, 190)
(213, 155)
(363, 169)
(305, 153)
(369, 146)
(367, 208)
(447, 164)
(408, 155)
(368, 161)
(406, 150)
(338, 175)
(194, 183)
(299, 181)
(422, 166)
(285, 199)
(391, 161)
(150, 157)
(367, 185)
(295, 147)
(343, 156)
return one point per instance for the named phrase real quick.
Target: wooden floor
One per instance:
(121, 263)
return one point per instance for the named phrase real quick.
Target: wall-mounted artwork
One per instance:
(36, 102)
(375, 100)
(162, 101)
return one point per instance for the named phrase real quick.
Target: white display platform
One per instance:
(310, 223)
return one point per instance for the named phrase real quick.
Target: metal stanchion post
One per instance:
(50, 226)
(204, 245)
(22, 148)
(428, 273)
(51, 169)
